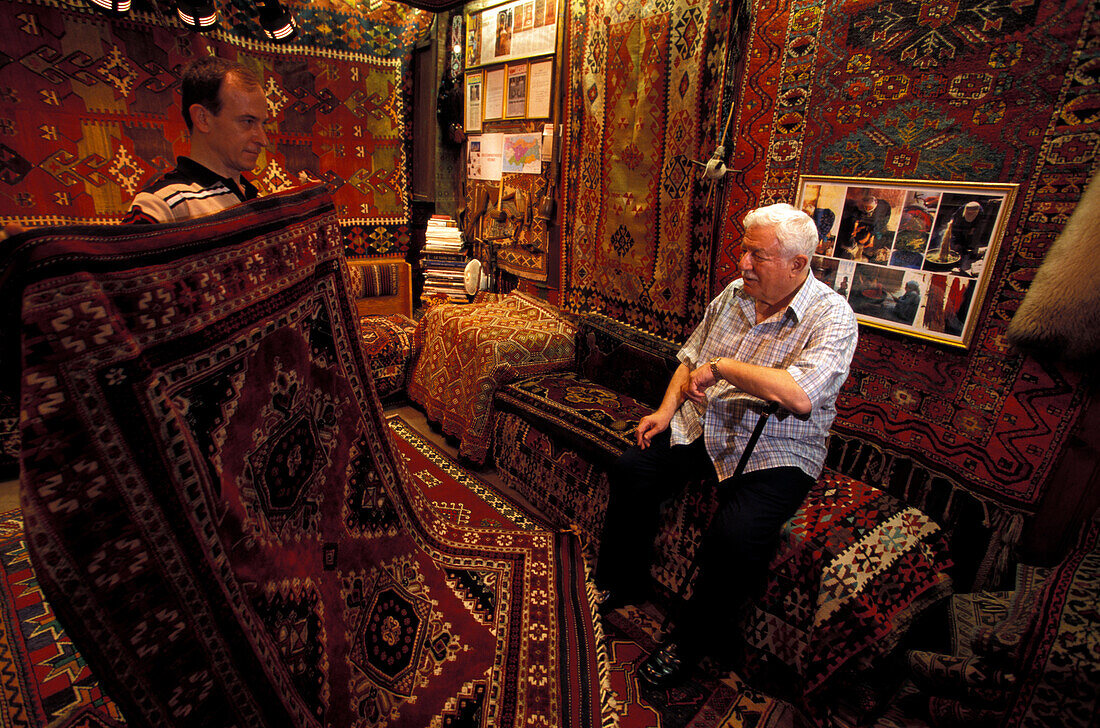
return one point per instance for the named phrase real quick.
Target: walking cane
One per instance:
(770, 410)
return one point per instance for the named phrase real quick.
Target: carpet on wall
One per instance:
(638, 112)
(90, 112)
(987, 92)
(215, 509)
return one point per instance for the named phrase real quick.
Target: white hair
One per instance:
(794, 229)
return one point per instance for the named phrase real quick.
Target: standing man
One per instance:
(225, 110)
(776, 335)
(969, 231)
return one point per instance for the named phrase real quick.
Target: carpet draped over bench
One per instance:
(216, 511)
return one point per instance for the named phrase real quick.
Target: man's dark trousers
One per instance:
(736, 549)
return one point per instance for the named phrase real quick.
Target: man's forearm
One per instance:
(674, 395)
(771, 385)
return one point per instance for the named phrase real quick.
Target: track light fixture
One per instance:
(277, 22)
(116, 8)
(198, 15)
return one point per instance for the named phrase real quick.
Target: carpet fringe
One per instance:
(608, 701)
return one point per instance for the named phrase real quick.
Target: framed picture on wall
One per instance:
(473, 106)
(515, 106)
(911, 256)
(511, 30)
(540, 77)
(493, 94)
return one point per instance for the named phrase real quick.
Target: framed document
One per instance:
(540, 78)
(493, 94)
(516, 104)
(512, 30)
(474, 83)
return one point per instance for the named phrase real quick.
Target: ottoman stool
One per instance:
(390, 352)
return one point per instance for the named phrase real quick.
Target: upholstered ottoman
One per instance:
(469, 351)
(390, 349)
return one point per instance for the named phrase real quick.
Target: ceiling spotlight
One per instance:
(199, 15)
(111, 7)
(277, 22)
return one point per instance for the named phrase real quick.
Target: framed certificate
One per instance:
(472, 118)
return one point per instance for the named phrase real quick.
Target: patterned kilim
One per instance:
(638, 111)
(460, 496)
(91, 112)
(468, 351)
(388, 348)
(216, 511)
(855, 566)
(976, 91)
(45, 677)
(1060, 684)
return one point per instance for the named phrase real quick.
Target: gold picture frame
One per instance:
(910, 256)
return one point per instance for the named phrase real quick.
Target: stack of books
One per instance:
(444, 260)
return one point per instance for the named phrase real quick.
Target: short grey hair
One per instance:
(794, 229)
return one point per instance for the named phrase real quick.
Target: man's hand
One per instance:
(649, 426)
(697, 384)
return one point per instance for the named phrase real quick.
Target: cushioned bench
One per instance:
(390, 350)
(854, 567)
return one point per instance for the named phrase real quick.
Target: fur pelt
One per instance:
(1060, 314)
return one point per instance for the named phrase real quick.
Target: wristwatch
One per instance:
(714, 368)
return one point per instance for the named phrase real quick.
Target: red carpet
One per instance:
(44, 677)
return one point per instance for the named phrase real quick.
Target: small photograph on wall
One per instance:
(911, 256)
(516, 103)
(473, 101)
(503, 45)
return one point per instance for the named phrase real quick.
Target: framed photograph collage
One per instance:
(509, 54)
(912, 256)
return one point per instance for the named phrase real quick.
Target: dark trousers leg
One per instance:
(735, 554)
(640, 481)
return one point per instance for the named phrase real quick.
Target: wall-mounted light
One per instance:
(277, 22)
(199, 15)
(116, 8)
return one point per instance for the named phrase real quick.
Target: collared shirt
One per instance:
(190, 190)
(814, 339)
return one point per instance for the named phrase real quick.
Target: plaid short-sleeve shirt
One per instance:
(813, 339)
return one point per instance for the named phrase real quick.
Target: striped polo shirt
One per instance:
(190, 190)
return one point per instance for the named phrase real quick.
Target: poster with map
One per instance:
(523, 153)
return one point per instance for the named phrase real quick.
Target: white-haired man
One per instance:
(776, 335)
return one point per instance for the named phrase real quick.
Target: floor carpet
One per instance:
(44, 677)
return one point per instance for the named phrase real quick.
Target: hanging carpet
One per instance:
(216, 511)
(641, 106)
(981, 92)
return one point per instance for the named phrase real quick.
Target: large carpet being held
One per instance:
(216, 511)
